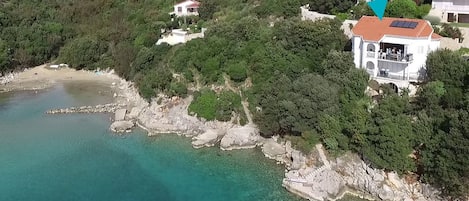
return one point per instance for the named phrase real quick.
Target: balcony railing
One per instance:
(396, 57)
(385, 74)
(370, 54)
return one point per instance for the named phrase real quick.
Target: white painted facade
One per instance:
(408, 68)
(452, 7)
(186, 8)
(178, 36)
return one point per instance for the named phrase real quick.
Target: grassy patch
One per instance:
(454, 24)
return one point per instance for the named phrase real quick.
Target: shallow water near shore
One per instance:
(75, 157)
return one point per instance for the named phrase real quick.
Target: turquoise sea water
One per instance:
(75, 157)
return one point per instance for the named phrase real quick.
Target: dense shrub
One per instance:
(178, 89)
(434, 20)
(204, 104)
(82, 52)
(237, 71)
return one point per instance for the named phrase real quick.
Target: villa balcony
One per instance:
(392, 69)
(396, 57)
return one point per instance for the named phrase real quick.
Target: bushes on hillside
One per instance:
(210, 106)
(203, 104)
(83, 52)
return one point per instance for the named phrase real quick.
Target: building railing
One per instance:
(370, 54)
(396, 57)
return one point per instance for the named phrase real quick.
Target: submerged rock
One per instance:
(240, 138)
(121, 126)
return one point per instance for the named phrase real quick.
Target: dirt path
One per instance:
(244, 102)
(246, 111)
(322, 156)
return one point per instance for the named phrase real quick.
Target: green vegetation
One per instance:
(305, 84)
(447, 30)
(210, 106)
(395, 8)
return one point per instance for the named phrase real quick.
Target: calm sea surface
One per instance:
(75, 157)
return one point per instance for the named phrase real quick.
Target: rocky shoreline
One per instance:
(313, 177)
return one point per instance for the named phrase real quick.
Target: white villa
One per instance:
(186, 8)
(451, 10)
(393, 50)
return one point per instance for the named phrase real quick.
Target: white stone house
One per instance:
(393, 50)
(451, 10)
(186, 8)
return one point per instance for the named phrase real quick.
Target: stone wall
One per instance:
(306, 14)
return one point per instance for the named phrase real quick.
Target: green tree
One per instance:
(203, 104)
(448, 67)
(227, 103)
(290, 107)
(237, 71)
(389, 139)
(331, 6)
(207, 9)
(311, 41)
(401, 8)
(82, 52)
(5, 57)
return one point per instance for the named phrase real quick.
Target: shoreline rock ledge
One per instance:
(244, 137)
(121, 126)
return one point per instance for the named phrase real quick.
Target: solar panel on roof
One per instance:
(404, 24)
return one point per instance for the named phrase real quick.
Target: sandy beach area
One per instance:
(41, 77)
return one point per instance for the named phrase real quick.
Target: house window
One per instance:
(370, 65)
(370, 47)
(179, 9)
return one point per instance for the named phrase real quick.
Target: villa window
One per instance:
(179, 9)
(370, 47)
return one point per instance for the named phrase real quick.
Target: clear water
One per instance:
(75, 157)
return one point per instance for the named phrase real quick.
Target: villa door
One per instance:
(450, 17)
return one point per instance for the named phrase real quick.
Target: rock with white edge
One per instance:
(244, 137)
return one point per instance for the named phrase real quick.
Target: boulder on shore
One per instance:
(244, 137)
(134, 112)
(273, 150)
(121, 126)
(207, 139)
(120, 114)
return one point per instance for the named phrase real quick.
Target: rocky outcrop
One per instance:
(208, 138)
(169, 115)
(240, 138)
(120, 114)
(106, 108)
(273, 150)
(134, 112)
(121, 126)
(350, 174)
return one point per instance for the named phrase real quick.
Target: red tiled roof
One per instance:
(195, 4)
(436, 36)
(370, 28)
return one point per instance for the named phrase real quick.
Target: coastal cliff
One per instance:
(313, 176)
